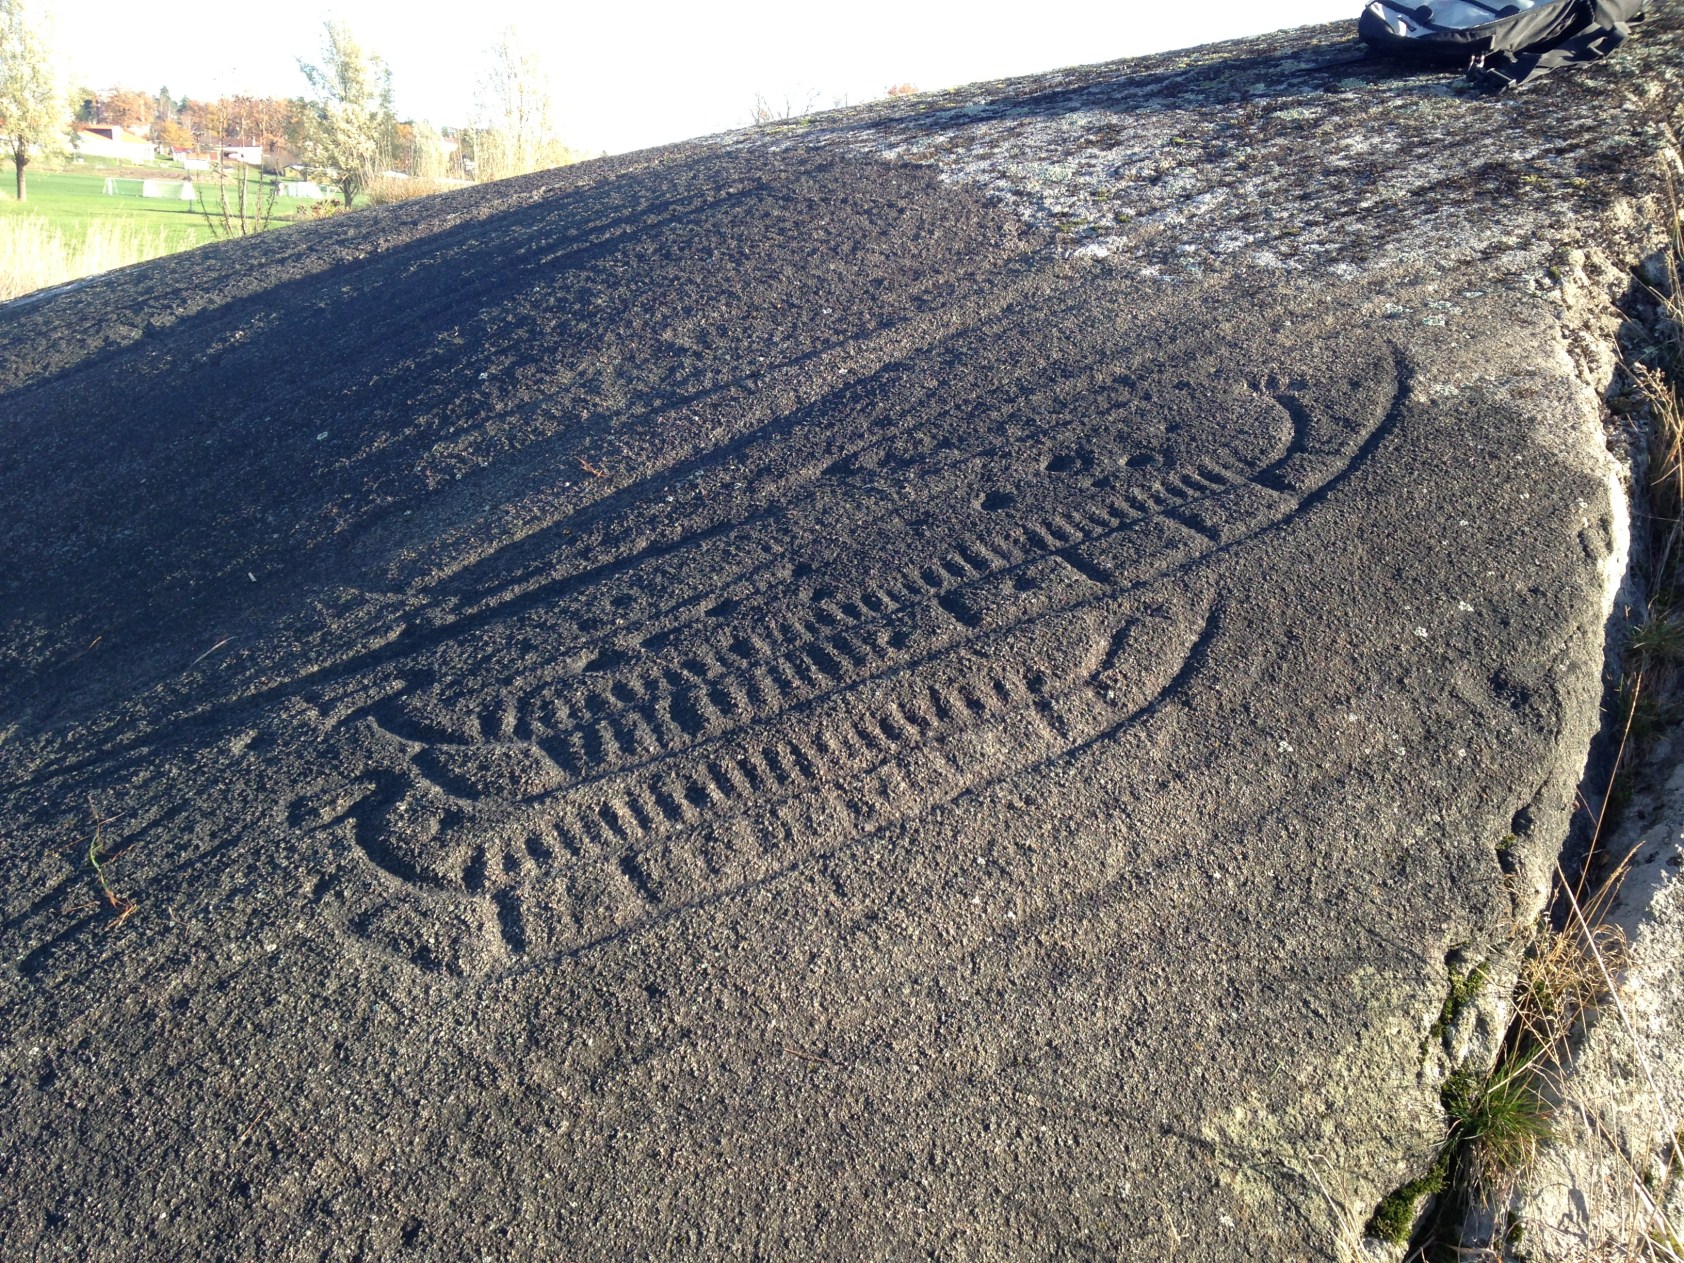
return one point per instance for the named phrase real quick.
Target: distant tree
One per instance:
(457, 143)
(253, 120)
(126, 108)
(901, 89)
(515, 130)
(212, 119)
(294, 139)
(166, 131)
(429, 158)
(34, 108)
(196, 117)
(233, 119)
(271, 122)
(349, 125)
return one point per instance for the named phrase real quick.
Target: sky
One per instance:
(628, 76)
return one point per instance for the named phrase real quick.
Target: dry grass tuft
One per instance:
(318, 210)
(1658, 639)
(386, 190)
(1662, 385)
(1564, 979)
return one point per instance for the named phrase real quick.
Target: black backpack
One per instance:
(1504, 43)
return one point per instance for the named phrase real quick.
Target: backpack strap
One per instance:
(1599, 28)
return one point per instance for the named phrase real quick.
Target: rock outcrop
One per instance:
(959, 679)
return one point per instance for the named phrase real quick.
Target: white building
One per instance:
(112, 140)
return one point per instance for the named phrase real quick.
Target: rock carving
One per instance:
(959, 679)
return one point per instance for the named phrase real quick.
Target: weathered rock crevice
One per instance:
(1477, 1022)
(1607, 1183)
(1610, 1081)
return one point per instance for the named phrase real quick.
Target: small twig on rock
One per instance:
(256, 1118)
(122, 905)
(207, 653)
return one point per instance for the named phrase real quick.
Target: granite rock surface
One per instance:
(959, 679)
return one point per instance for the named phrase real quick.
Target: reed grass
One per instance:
(386, 190)
(36, 253)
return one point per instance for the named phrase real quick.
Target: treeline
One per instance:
(271, 123)
(343, 131)
(279, 128)
(348, 121)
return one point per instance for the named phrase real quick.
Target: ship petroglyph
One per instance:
(699, 746)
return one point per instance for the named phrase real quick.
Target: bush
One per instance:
(318, 210)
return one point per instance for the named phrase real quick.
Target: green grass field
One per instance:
(70, 227)
(72, 199)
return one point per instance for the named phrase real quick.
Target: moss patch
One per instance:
(1464, 989)
(1395, 1215)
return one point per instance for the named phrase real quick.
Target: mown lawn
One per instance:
(72, 199)
(70, 227)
